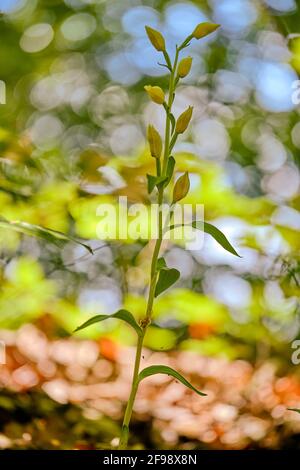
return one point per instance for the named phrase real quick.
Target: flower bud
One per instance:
(155, 93)
(184, 67)
(203, 29)
(156, 39)
(184, 120)
(155, 142)
(181, 187)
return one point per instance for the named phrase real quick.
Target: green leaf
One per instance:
(167, 277)
(120, 314)
(159, 369)
(168, 60)
(173, 122)
(213, 231)
(161, 264)
(217, 235)
(170, 169)
(294, 409)
(51, 236)
(181, 187)
(155, 181)
(151, 180)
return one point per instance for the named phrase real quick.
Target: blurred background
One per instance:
(72, 136)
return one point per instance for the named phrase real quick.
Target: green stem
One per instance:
(169, 107)
(144, 324)
(134, 387)
(153, 276)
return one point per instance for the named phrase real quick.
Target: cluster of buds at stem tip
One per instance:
(155, 142)
(158, 42)
(201, 30)
(157, 95)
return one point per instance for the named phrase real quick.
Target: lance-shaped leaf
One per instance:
(170, 169)
(159, 369)
(120, 314)
(213, 231)
(153, 181)
(173, 122)
(166, 278)
(181, 187)
(52, 236)
(294, 409)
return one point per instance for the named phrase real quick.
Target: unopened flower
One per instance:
(184, 67)
(181, 187)
(155, 142)
(156, 39)
(203, 29)
(155, 93)
(184, 120)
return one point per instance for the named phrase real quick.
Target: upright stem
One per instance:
(134, 386)
(153, 274)
(170, 102)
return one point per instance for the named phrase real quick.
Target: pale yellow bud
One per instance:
(181, 187)
(155, 142)
(155, 93)
(184, 120)
(184, 67)
(203, 29)
(156, 39)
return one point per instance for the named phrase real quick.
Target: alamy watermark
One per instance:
(296, 354)
(141, 222)
(2, 92)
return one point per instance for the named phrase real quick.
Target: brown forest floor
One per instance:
(70, 393)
